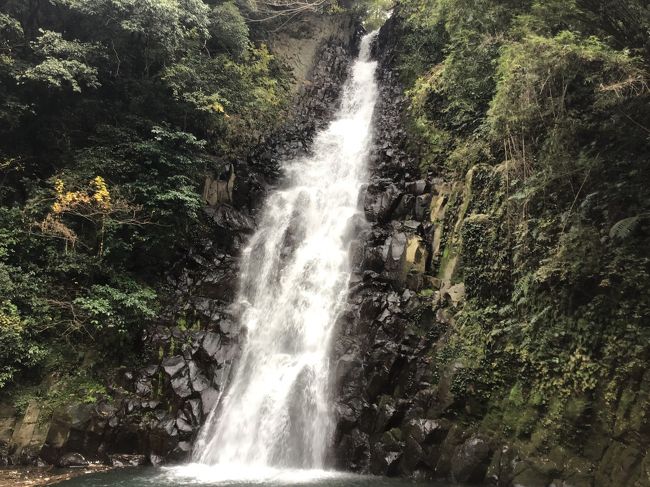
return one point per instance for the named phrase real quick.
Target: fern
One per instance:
(624, 228)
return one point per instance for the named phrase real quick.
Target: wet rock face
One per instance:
(72, 460)
(390, 408)
(383, 391)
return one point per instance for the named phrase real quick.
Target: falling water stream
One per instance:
(274, 423)
(294, 279)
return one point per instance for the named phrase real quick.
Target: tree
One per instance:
(228, 29)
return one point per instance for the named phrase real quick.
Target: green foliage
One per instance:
(11, 35)
(191, 79)
(229, 29)
(17, 351)
(545, 105)
(116, 313)
(240, 99)
(452, 78)
(67, 387)
(541, 78)
(111, 114)
(64, 63)
(160, 27)
(624, 229)
(374, 12)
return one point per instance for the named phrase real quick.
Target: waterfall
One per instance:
(295, 274)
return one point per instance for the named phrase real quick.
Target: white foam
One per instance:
(233, 474)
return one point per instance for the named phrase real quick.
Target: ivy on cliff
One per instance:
(553, 95)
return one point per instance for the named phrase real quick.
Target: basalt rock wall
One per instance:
(397, 414)
(384, 389)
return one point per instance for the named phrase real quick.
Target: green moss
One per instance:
(516, 396)
(181, 323)
(426, 293)
(79, 387)
(444, 261)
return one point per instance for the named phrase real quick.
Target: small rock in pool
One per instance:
(68, 460)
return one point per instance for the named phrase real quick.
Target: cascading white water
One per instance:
(295, 274)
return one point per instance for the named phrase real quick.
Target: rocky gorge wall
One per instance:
(407, 402)
(155, 411)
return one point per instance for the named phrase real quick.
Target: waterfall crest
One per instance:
(295, 274)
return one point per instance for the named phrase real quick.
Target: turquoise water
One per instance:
(208, 477)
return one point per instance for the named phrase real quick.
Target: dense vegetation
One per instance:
(111, 114)
(548, 101)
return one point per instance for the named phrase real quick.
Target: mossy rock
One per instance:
(619, 466)
(530, 478)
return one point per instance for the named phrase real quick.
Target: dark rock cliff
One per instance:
(385, 399)
(396, 412)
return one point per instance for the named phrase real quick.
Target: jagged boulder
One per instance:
(209, 398)
(231, 219)
(68, 460)
(471, 460)
(211, 344)
(173, 365)
(380, 201)
(181, 384)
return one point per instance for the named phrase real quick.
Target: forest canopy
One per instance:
(111, 114)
